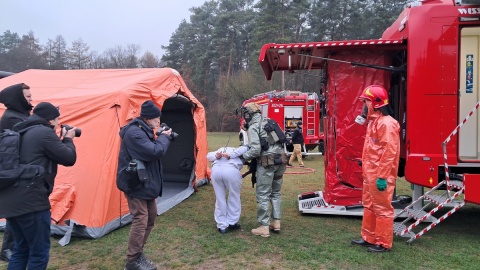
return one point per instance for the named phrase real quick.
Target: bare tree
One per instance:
(115, 57)
(118, 57)
(59, 53)
(131, 53)
(148, 60)
(78, 55)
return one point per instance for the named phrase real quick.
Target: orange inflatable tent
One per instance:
(85, 201)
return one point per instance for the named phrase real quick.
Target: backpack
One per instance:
(10, 168)
(274, 131)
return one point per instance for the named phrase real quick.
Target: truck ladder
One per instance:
(453, 189)
(311, 115)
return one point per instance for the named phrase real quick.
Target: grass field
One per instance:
(186, 237)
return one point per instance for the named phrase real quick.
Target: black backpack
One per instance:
(273, 129)
(10, 168)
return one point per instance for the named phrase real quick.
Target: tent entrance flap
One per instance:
(179, 161)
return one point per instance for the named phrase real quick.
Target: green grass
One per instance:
(186, 237)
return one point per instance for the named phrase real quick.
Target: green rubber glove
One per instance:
(381, 184)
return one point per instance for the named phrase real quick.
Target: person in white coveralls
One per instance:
(226, 176)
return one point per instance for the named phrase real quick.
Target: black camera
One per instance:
(163, 127)
(78, 132)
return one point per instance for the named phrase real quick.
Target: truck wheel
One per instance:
(321, 147)
(289, 147)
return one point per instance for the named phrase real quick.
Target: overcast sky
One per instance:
(102, 24)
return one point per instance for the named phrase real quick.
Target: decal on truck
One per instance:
(469, 11)
(469, 74)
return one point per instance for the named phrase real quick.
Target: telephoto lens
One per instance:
(164, 127)
(78, 132)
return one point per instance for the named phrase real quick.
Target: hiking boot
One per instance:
(140, 263)
(147, 262)
(263, 231)
(275, 225)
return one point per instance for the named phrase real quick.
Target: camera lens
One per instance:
(78, 132)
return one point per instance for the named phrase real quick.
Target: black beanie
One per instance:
(46, 110)
(149, 110)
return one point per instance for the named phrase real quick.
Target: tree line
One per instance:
(217, 50)
(18, 53)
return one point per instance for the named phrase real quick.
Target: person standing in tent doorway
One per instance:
(139, 176)
(226, 176)
(17, 99)
(297, 141)
(272, 162)
(381, 153)
(25, 204)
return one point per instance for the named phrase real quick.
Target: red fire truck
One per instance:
(428, 59)
(288, 107)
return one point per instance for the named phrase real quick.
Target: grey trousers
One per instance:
(268, 192)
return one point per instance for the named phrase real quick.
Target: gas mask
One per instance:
(361, 119)
(247, 117)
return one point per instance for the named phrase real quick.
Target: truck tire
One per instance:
(321, 147)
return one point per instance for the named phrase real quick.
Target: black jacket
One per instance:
(18, 108)
(40, 145)
(297, 136)
(138, 142)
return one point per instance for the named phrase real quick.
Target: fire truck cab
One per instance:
(288, 107)
(428, 60)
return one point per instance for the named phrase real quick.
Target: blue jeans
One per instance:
(31, 233)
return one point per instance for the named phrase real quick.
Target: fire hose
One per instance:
(302, 170)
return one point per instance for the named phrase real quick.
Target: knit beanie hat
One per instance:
(149, 110)
(46, 110)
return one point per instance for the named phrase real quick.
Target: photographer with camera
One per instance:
(139, 176)
(25, 204)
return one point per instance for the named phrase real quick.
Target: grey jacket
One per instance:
(255, 133)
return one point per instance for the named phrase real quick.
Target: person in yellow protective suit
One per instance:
(380, 157)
